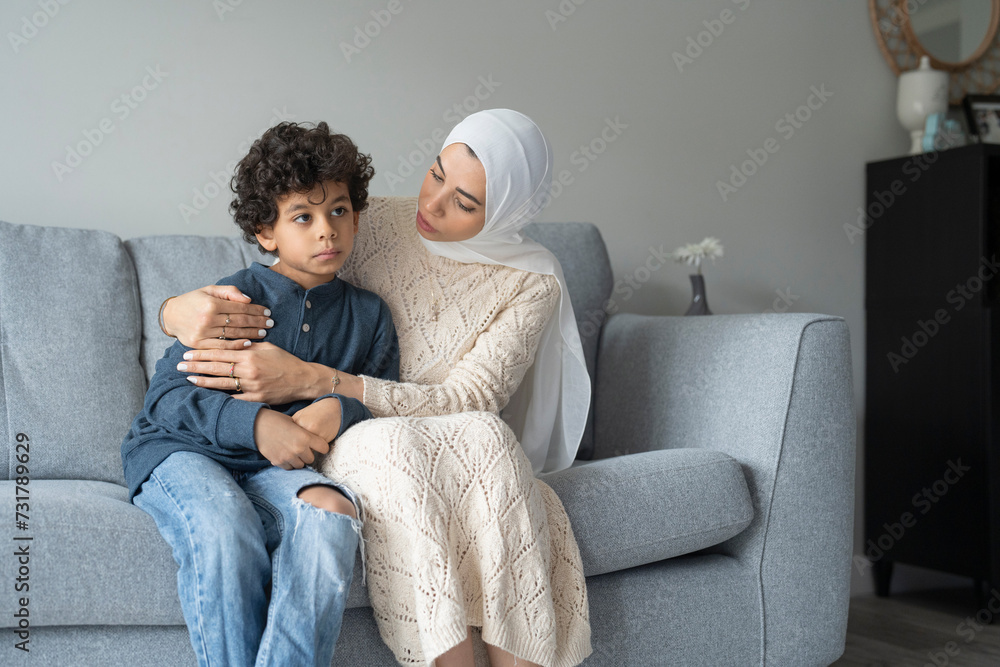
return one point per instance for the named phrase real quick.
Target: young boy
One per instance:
(265, 544)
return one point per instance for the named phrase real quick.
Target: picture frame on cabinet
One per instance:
(982, 115)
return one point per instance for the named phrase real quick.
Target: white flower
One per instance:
(694, 253)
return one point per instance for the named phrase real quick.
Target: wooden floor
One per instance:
(923, 629)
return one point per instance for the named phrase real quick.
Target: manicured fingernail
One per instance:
(244, 295)
(267, 312)
(189, 355)
(192, 379)
(182, 367)
(269, 324)
(246, 343)
(261, 332)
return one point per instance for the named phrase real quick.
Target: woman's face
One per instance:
(452, 203)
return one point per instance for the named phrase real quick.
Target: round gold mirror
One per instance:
(954, 33)
(959, 36)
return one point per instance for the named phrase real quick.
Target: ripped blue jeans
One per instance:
(263, 576)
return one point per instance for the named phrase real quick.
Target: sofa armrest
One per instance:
(775, 393)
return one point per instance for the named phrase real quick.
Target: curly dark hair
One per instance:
(293, 157)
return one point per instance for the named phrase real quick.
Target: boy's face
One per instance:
(313, 234)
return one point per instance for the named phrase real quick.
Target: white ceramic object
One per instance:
(922, 91)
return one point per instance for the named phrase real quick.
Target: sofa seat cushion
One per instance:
(95, 559)
(642, 508)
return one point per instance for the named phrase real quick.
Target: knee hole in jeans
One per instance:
(329, 499)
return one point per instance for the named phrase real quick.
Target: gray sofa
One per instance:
(715, 519)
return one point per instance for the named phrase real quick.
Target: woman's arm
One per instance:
(267, 373)
(271, 375)
(197, 318)
(484, 379)
(488, 375)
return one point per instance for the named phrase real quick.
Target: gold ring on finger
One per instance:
(232, 365)
(239, 389)
(227, 320)
(223, 336)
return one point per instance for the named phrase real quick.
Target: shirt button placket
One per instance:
(305, 326)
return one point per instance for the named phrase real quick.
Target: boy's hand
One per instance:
(283, 442)
(321, 418)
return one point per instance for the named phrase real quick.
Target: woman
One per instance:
(458, 531)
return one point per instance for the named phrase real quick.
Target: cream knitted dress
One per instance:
(457, 529)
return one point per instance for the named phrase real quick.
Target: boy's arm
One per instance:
(222, 424)
(211, 417)
(208, 416)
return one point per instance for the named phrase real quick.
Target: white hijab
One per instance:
(549, 410)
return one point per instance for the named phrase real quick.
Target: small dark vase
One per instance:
(699, 304)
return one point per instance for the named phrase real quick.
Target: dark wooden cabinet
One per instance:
(932, 370)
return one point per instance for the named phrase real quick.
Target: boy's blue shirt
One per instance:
(349, 329)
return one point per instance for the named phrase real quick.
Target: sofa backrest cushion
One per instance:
(69, 344)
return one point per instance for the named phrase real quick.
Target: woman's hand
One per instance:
(267, 373)
(198, 318)
(322, 418)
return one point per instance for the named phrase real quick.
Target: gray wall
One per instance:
(157, 97)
